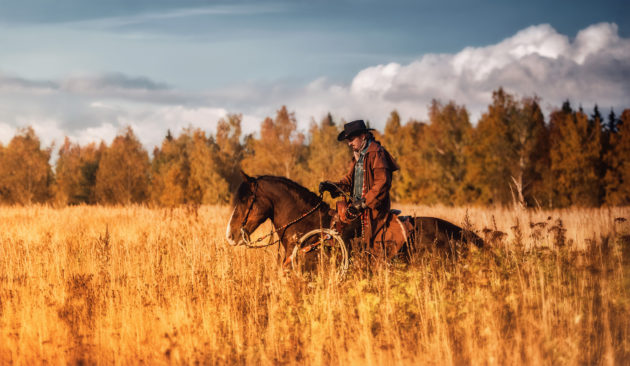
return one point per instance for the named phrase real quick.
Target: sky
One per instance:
(86, 69)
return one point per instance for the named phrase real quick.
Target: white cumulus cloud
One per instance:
(593, 68)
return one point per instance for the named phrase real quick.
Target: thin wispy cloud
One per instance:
(15, 84)
(177, 13)
(124, 12)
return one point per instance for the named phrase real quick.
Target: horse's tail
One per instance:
(439, 232)
(470, 237)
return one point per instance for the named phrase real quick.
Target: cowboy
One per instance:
(369, 180)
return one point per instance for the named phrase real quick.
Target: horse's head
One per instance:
(250, 209)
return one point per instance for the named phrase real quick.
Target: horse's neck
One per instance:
(287, 206)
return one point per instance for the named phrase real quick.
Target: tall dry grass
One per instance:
(136, 285)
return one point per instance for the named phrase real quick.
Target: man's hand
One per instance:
(352, 212)
(330, 187)
(355, 208)
(359, 204)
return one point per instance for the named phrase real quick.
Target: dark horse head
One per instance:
(276, 198)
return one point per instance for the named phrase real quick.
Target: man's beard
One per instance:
(356, 152)
(362, 146)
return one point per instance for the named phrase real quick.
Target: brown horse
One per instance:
(294, 211)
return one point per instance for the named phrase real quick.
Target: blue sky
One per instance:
(85, 69)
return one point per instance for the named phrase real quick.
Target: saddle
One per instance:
(390, 238)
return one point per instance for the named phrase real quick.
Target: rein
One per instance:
(252, 245)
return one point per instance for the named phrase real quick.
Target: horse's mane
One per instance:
(299, 193)
(292, 185)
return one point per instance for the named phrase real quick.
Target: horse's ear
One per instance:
(246, 178)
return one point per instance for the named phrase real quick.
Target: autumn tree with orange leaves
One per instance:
(575, 157)
(616, 181)
(75, 173)
(280, 149)
(327, 159)
(512, 156)
(25, 174)
(506, 151)
(123, 172)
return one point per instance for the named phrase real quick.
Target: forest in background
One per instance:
(511, 156)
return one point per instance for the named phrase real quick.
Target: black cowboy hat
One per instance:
(353, 128)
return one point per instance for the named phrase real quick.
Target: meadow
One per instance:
(135, 285)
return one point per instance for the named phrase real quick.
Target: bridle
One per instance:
(245, 235)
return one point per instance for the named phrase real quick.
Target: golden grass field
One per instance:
(133, 285)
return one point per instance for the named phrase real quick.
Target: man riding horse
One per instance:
(367, 183)
(302, 222)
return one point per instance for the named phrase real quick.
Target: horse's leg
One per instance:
(280, 256)
(349, 232)
(392, 239)
(289, 245)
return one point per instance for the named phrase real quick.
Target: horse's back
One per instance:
(433, 231)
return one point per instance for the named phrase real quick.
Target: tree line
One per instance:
(512, 156)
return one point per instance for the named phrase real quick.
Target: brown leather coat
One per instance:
(377, 178)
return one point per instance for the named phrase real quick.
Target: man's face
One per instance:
(355, 142)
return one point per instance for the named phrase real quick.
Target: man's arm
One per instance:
(378, 191)
(382, 181)
(345, 185)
